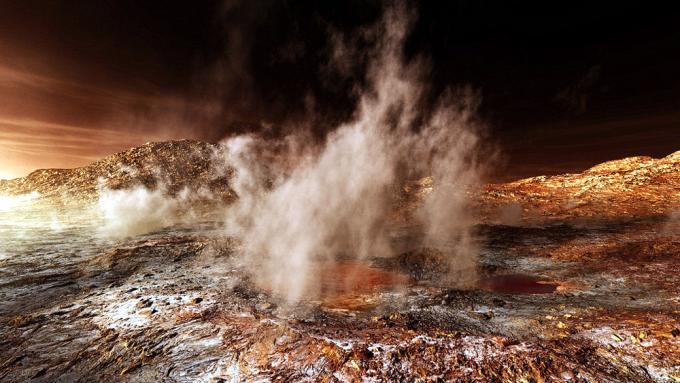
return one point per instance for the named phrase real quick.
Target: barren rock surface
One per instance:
(578, 282)
(627, 188)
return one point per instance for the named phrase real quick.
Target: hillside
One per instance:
(630, 187)
(173, 164)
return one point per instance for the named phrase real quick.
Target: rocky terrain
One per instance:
(622, 189)
(577, 282)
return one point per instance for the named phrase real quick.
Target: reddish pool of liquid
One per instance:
(349, 284)
(518, 284)
(356, 277)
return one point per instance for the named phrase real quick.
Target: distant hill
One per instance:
(174, 164)
(627, 188)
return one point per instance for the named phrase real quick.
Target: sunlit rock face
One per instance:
(576, 281)
(621, 189)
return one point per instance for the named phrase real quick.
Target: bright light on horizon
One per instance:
(10, 202)
(6, 174)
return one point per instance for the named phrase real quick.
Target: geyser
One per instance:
(301, 204)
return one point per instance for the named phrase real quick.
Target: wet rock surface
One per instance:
(568, 296)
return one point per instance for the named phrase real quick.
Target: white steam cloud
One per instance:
(300, 204)
(139, 210)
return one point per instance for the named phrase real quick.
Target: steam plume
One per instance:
(137, 211)
(300, 204)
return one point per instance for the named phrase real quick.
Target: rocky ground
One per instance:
(577, 282)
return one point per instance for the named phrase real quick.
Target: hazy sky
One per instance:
(563, 85)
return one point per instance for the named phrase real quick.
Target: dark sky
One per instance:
(563, 84)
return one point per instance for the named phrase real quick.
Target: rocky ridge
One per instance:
(172, 165)
(629, 187)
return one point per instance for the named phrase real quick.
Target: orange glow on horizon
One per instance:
(28, 145)
(50, 122)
